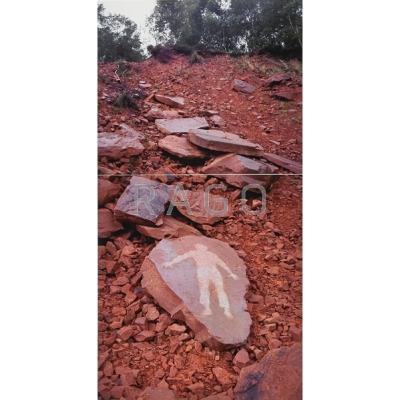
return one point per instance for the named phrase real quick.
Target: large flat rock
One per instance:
(180, 146)
(240, 171)
(203, 282)
(278, 376)
(180, 125)
(118, 145)
(172, 101)
(224, 141)
(143, 202)
(171, 228)
(201, 207)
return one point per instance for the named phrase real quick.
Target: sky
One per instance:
(136, 10)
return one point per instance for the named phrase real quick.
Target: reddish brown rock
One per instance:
(223, 376)
(152, 314)
(242, 358)
(156, 113)
(244, 87)
(283, 162)
(107, 191)
(116, 392)
(129, 131)
(241, 171)
(176, 101)
(283, 95)
(209, 113)
(175, 329)
(203, 282)
(220, 396)
(119, 144)
(107, 224)
(224, 141)
(171, 228)
(202, 207)
(277, 79)
(180, 125)
(143, 202)
(157, 394)
(144, 336)
(277, 376)
(126, 332)
(180, 146)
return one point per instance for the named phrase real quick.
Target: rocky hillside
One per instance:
(167, 330)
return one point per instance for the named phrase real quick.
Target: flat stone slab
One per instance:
(240, 171)
(277, 376)
(171, 228)
(143, 202)
(172, 101)
(244, 87)
(180, 146)
(107, 224)
(201, 207)
(283, 162)
(180, 125)
(118, 145)
(203, 282)
(224, 141)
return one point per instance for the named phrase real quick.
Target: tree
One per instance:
(118, 38)
(272, 25)
(235, 25)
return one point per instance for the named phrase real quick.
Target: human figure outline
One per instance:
(207, 273)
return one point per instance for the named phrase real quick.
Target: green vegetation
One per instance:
(230, 26)
(118, 38)
(186, 26)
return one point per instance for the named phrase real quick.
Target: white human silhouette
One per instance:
(207, 273)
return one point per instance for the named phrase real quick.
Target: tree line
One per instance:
(229, 26)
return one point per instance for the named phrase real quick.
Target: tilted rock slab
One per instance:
(284, 95)
(107, 191)
(175, 101)
(292, 166)
(224, 141)
(244, 87)
(277, 79)
(232, 168)
(203, 282)
(180, 146)
(171, 228)
(107, 224)
(202, 207)
(278, 376)
(118, 145)
(180, 125)
(143, 202)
